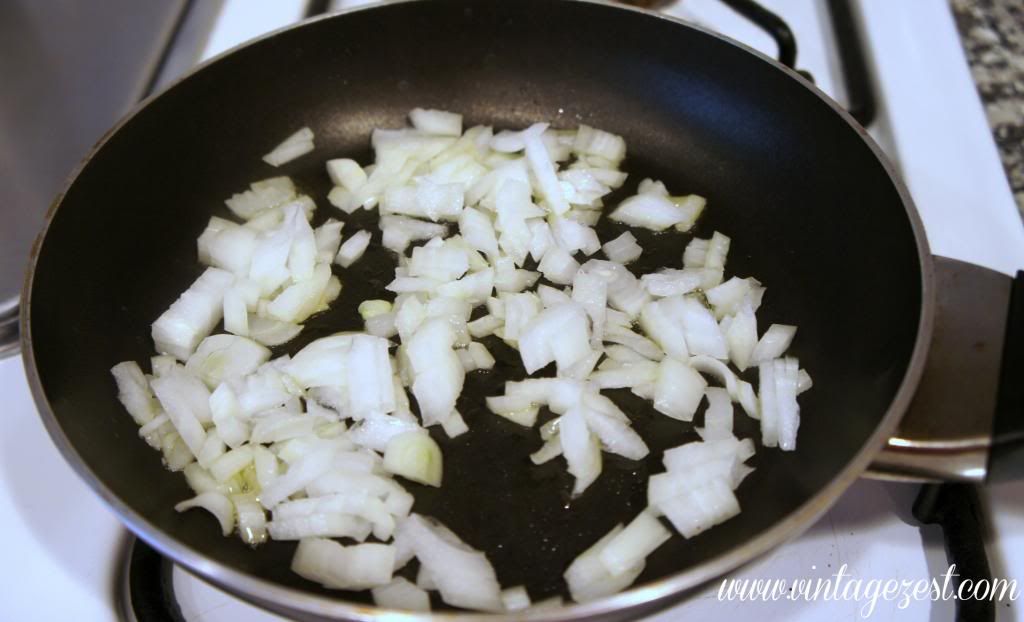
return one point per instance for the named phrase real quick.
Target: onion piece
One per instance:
(134, 393)
(773, 344)
(298, 144)
(193, 315)
(678, 389)
(463, 575)
(515, 598)
(436, 122)
(623, 249)
(221, 357)
(588, 578)
(353, 248)
(215, 503)
(580, 448)
(402, 595)
(357, 567)
(632, 545)
(543, 168)
(415, 456)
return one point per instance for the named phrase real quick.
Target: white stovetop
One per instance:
(63, 547)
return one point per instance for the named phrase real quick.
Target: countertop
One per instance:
(993, 37)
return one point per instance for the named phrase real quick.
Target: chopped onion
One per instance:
(589, 579)
(402, 595)
(436, 122)
(353, 248)
(357, 567)
(463, 575)
(298, 144)
(622, 249)
(414, 456)
(193, 315)
(773, 343)
(215, 503)
(678, 389)
(632, 545)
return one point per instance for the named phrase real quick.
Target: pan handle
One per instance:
(966, 421)
(775, 26)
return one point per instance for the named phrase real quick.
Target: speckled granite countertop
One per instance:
(993, 37)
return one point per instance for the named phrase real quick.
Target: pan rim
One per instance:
(648, 597)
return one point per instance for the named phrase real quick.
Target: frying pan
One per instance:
(813, 209)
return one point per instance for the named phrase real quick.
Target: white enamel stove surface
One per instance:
(63, 548)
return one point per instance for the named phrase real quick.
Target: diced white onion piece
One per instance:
(134, 393)
(193, 315)
(478, 231)
(580, 448)
(346, 173)
(302, 299)
(515, 598)
(401, 595)
(632, 545)
(436, 122)
(594, 142)
(543, 168)
(325, 525)
(357, 567)
(615, 435)
(299, 143)
(741, 337)
(623, 249)
(588, 578)
(222, 357)
(670, 282)
(695, 253)
(328, 239)
(718, 250)
(368, 376)
(678, 390)
(426, 199)
(698, 509)
(298, 475)
(788, 411)
(718, 418)
(215, 503)
(726, 298)
(804, 382)
(573, 236)
(398, 232)
(439, 375)
(236, 314)
(415, 456)
(353, 248)
(558, 265)
(624, 290)
(441, 263)
(454, 425)
(179, 396)
(481, 356)
(558, 334)
(271, 332)
(703, 335)
(463, 575)
(649, 211)
(627, 375)
(773, 344)
(261, 196)
(552, 448)
(662, 321)
(739, 390)
(252, 521)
